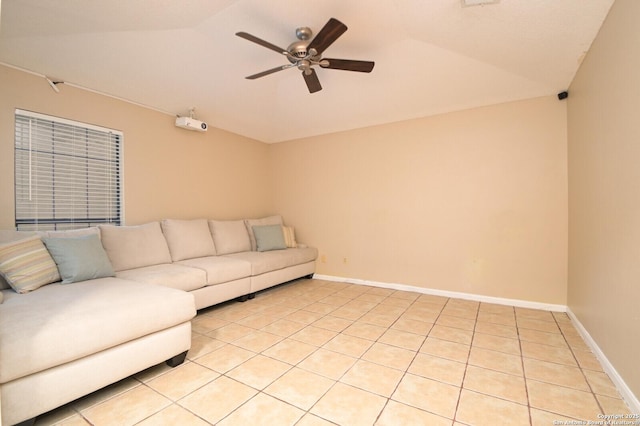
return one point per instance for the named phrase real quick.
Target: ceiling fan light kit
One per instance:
(304, 54)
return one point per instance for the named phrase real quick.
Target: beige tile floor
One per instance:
(313, 352)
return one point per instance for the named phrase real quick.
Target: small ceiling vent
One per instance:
(468, 3)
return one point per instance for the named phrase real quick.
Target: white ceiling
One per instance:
(432, 56)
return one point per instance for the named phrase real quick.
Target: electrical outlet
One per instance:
(344, 260)
(323, 259)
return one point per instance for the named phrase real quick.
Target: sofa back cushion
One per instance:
(188, 239)
(230, 236)
(130, 247)
(250, 223)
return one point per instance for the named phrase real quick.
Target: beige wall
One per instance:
(604, 191)
(168, 172)
(472, 201)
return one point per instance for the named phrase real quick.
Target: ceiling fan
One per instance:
(305, 54)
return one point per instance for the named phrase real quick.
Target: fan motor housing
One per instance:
(298, 49)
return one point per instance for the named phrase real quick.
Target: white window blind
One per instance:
(67, 174)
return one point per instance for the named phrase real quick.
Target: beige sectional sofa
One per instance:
(61, 341)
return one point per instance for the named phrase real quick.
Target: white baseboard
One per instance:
(458, 295)
(632, 401)
(626, 393)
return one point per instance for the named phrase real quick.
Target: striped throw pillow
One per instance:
(289, 236)
(27, 265)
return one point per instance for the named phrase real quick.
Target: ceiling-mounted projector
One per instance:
(191, 124)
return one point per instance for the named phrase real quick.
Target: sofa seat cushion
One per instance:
(219, 269)
(267, 261)
(60, 323)
(173, 275)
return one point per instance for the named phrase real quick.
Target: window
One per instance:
(67, 174)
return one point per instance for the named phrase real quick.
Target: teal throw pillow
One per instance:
(269, 237)
(79, 258)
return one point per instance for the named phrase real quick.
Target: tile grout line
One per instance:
(466, 366)
(524, 372)
(586, 379)
(527, 379)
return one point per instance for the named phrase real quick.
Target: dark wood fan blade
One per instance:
(327, 35)
(267, 72)
(262, 43)
(313, 84)
(348, 65)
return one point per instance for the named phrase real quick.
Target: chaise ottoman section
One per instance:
(88, 335)
(56, 318)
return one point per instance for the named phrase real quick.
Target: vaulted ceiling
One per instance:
(431, 56)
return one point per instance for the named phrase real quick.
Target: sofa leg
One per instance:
(243, 298)
(252, 295)
(176, 360)
(29, 422)
(310, 276)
